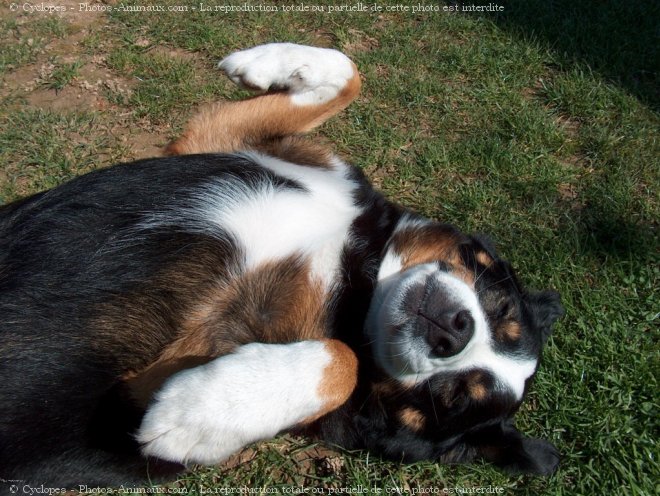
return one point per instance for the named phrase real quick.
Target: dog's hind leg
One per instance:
(304, 87)
(204, 414)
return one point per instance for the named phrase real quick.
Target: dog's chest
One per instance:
(311, 221)
(289, 234)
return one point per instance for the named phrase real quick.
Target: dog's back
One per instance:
(99, 276)
(65, 255)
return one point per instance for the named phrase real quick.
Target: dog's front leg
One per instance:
(205, 414)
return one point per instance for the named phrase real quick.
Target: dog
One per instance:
(170, 311)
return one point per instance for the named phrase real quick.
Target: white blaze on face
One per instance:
(407, 356)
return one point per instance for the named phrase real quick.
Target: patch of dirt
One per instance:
(360, 42)
(144, 140)
(378, 174)
(94, 87)
(301, 460)
(66, 99)
(86, 91)
(536, 91)
(569, 125)
(383, 71)
(172, 53)
(20, 79)
(323, 38)
(570, 194)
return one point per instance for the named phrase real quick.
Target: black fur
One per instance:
(63, 255)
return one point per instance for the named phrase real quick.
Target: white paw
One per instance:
(313, 75)
(180, 426)
(203, 415)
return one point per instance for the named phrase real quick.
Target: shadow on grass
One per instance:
(619, 237)
(618, 39)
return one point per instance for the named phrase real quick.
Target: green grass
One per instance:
(21, 42)
(63, 74)
(168, 83)
(536, 126)
(40, 149)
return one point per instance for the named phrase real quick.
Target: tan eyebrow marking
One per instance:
(425, 244)
(484, 258)
(509, 330)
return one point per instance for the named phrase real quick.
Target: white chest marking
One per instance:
(273, 223)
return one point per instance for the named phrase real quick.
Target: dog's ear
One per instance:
(545, 308)
(504, 446)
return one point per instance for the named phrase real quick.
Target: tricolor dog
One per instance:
(170, 311)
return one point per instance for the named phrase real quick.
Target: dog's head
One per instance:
(459, 341)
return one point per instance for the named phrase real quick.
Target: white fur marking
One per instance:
(270, 223)
(407, 358)
(390, 266)
(276, 224)
(205, 414)
(312, 75)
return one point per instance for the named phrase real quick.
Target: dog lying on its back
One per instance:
(170, 311)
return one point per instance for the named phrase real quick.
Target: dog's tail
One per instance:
(303, 87)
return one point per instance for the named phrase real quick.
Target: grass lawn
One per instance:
(538, 125)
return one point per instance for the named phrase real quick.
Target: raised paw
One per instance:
(313, 75)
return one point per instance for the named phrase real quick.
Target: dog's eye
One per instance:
(504, 310)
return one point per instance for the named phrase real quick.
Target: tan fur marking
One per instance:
(478, 391)
(339, 378)
(386, 388)
(412, 418)
(298, 150)
(484, 258)
(244, 125)
(510, 330)
(428, 244)
(467, 276)
(275, 303)
(476, 388)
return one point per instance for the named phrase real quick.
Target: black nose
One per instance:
(447, 332)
